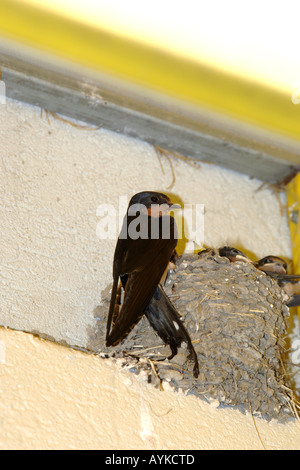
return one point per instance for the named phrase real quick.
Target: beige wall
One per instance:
(53, 177)
(53, 397)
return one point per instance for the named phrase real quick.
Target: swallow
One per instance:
(234, 255)
(165, 320)
(140, 261)
(277, 268)
(206, 251)
(290, 283)
(272, 264)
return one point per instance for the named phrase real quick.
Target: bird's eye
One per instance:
(154, 199)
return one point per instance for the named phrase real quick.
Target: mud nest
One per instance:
(235, 315)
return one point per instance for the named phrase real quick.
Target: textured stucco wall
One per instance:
(53, 267)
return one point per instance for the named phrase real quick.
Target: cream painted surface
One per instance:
(53, 267)
(53, 397)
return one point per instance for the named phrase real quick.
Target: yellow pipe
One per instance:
(139, 64)
(293, 200)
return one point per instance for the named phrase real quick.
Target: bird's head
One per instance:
(233, 254)
(151, 203)
(272, 264)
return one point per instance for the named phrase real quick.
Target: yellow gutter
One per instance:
(153, 69)
(293, 199)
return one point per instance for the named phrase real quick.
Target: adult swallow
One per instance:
(140, 260)
(165, 320)
(233, 254)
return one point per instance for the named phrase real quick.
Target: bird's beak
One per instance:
(243, 258)
(174, 206)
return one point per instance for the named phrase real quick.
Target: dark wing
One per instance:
(164, 319)
(112, 305)
(149, 262)
(294, 301)
(139, 289)
(129, 256)
(121, 254)
(284, 277)
(290, 283)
